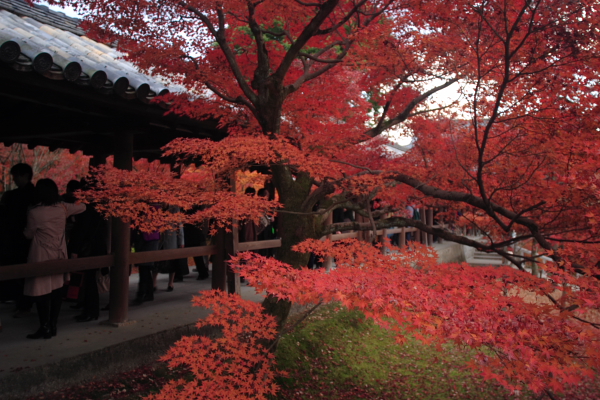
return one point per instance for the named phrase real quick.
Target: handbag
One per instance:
(103, 282)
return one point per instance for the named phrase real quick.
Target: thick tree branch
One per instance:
(318, 194)
(321, 60)
(219, 35)
(262, 70)
(307, 76)
(474, 201)
(309, 31)
(237, 100)
(401, 117)
(341, 22)
(408, 222)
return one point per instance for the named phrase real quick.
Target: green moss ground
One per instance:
(337, 354)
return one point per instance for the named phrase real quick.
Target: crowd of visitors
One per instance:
(38, 224)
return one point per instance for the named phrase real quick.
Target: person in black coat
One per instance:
(89, 239)
(14, 246)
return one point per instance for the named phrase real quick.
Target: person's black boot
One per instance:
(42, 304)
(43, 332)
(55, 304)
(86, 318)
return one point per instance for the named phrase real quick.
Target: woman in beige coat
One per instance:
(46, 228)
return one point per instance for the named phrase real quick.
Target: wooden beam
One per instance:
(347, 235)
(172, 254)
(53, 267)
(259, 245)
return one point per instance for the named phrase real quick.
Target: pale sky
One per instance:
(68, 11)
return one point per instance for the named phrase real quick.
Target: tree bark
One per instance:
(293, 229)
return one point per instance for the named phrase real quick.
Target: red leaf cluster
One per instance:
(522, 341)
(131, 195)
(233, 365)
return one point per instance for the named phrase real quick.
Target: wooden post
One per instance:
(219, 272)
(430, 223)
(121, 245)
(367, 235)
(97, 160)
(328, 262)
(423, 220)
(535, 270)
(403, 238)
(233, 280)
(234, 283)
(383, 241)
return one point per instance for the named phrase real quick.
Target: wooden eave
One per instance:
(46, 104)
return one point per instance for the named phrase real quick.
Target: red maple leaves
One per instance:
(521, 339)
(235, 362)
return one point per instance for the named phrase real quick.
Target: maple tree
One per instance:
(309, 90)
(59, 165)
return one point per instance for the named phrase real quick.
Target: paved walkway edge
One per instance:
(95, 365)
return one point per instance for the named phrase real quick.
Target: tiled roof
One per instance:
(44, 15)
(49, 42)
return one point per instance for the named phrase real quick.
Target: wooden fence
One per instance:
(223, 245)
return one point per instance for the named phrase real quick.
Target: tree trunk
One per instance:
(293, 229)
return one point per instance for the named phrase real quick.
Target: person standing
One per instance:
(170, 240)
(46, 228)
(14, 246)
(145, 241)
(194, 236)
(89, 239)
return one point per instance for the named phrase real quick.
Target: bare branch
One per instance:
(219, 35)
(236, 100)
(325, 9)
(401, 117)
(344, 20)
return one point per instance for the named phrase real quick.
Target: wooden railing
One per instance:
(80, 264)
(223, 246)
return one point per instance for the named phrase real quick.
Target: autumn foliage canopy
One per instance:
(500, 98)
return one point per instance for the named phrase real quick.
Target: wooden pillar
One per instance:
(403, 238)
(328, 262)
(417, 232)
(97, 160)
(121, 246)
(368, 234)
(423, 220)
(359, 233)
(535, 269)
(234, 282)
(219, 272)
(430, 223)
